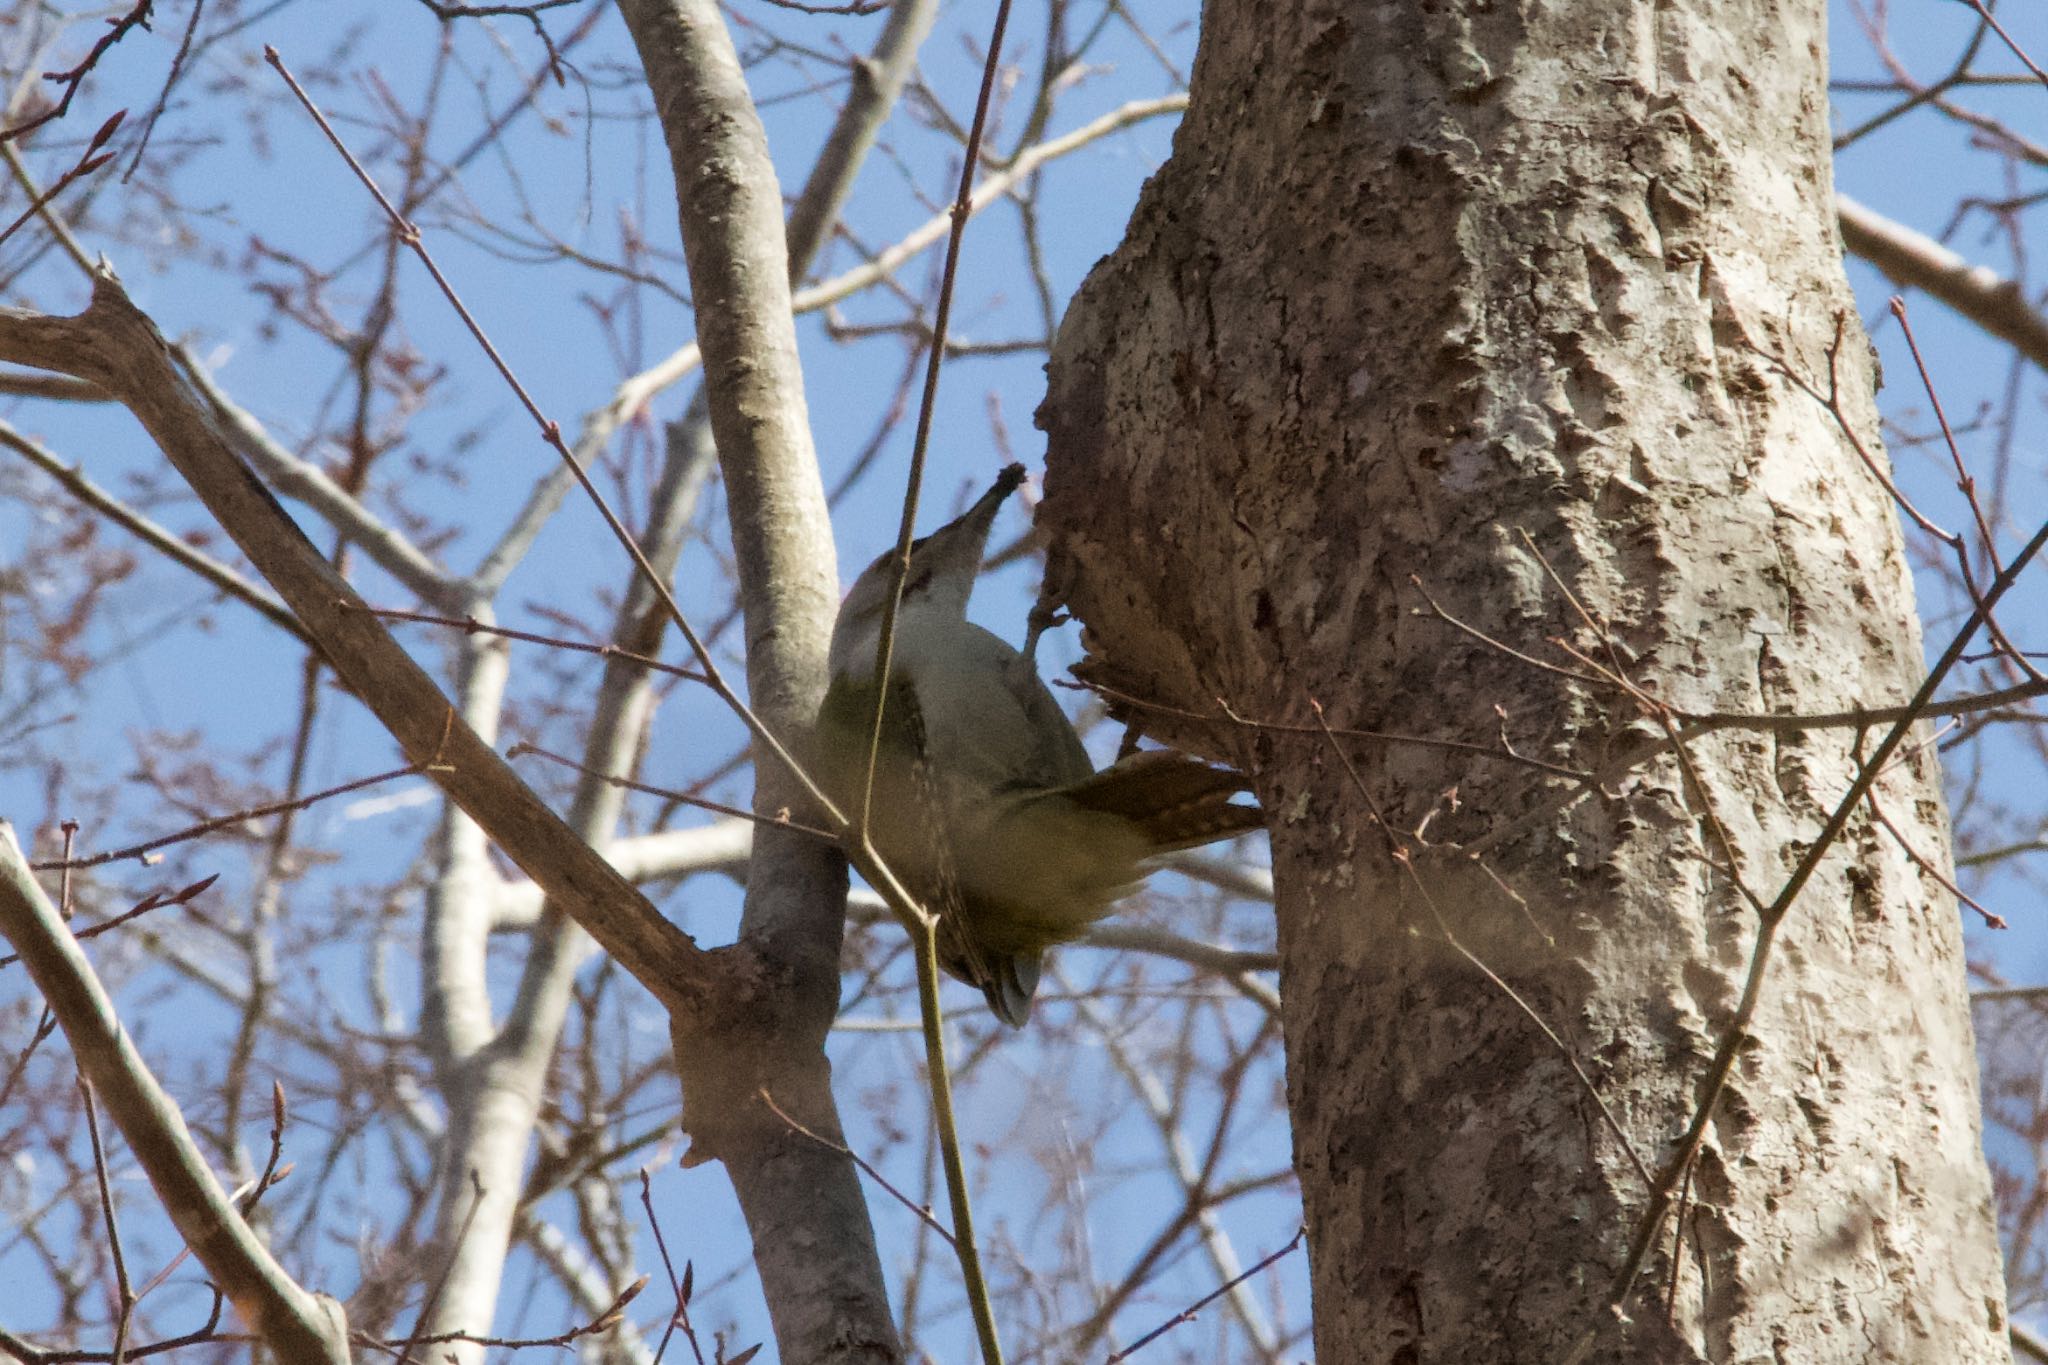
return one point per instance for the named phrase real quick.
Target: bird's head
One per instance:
(941, 575)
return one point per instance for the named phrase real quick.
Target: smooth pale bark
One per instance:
(1419, 280)
(299, 1326)
(496, 1084)
(813, 1244)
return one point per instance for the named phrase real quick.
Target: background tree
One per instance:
(473, 1094)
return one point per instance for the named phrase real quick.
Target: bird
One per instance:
(985, 804)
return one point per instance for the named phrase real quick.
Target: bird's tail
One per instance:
(1176, 801)
(1014, 982)
(1008, 979)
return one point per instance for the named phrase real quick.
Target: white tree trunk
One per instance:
(1418, 281)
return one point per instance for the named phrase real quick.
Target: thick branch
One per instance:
(116, 346)
(295, 1324)
(671, 853)
(813, 1243)
(1977, 292)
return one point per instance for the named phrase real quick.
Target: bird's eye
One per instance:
(887, 555)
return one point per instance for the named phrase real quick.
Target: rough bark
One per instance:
(1419, 280)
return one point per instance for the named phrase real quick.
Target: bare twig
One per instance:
(680, 1288)
(163, 94)
(116, 346)
(117, 29)
(923, 926)
(922, 1212)
(156, 900)
(1966, 484)
(304, 481)
(469, 625)
(1188, 1314)
(426, 1314)
(124, 1292)
(551, 432)
(628, 784)
(205, 827)
(605, 1321)
(88, 162)
(173, 547)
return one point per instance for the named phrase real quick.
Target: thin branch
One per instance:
(650, 789)
(1966, 484)
(551, 432)
(924, 928)
(218, 822)
(469, 625)
(922, 1212)
(1188, 1314)
(1193, 1177)
(1229, 716)
(2012, 45)
(305, 482)
(124, 1292)
(426, 1314)
(208, 1331)
(172, 547)
(88, 162)
(56, 387)
(678, 1287)
(117, 29)
(155, 900)
(670, 854)
(59, 229)
(635, 392)
(163, 94)
(1232, 964)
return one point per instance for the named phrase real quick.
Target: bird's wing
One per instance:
(988, 711)
(1059, 758)
(914, 832)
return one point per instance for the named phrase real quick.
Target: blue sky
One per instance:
(193, 668)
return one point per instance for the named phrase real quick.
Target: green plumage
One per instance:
(1013, 867)
(985, 805)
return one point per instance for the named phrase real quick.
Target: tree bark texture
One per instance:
(1447, 300)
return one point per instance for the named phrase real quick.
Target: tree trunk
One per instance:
(814, 1245)
(1477, 305)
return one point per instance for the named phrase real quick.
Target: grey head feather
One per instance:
(940, 577)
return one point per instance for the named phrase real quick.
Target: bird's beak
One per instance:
(960, 542)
